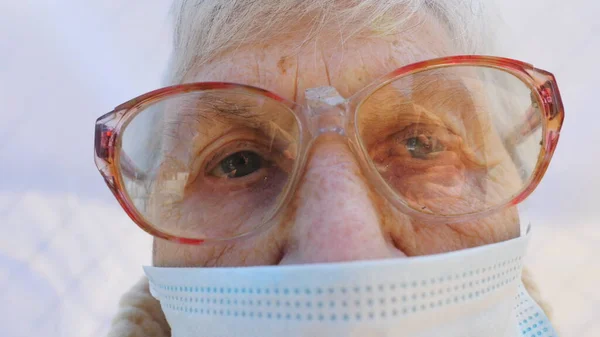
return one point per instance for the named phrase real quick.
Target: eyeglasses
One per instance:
(449, 139)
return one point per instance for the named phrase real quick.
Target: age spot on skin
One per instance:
(284, 64)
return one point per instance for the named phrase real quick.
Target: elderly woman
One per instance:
(332, 168)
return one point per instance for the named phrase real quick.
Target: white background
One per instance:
(68, 251)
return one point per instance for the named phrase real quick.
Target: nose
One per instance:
(334, 217)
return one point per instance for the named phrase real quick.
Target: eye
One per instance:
(422, 146)
(238, 165)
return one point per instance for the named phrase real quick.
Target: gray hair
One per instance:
(205, 29)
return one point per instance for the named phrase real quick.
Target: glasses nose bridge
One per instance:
(327, 111)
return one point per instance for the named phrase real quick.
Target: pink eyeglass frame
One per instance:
(109, 129)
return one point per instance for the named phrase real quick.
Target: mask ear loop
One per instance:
(524, 221)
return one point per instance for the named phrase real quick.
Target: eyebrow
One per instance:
(440, 91)
(206, 110)
(215, 106)
(209, 110)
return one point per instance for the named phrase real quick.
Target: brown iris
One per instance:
(241, 164)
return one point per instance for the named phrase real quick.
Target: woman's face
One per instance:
(335, 213)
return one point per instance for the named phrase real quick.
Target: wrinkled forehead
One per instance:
(288, 66)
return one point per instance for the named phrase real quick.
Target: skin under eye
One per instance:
(430, 167)
(234, 181)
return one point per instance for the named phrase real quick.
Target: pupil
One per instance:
(420, 146)
(241, 164)
(412, 143)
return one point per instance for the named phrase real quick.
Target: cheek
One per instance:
(417, 238)
(215, 211)
(499, 227)
(265, 248)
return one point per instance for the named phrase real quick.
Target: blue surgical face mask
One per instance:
(472, 292)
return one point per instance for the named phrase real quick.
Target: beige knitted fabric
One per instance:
(139, 315)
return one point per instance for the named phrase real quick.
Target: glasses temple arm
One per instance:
(104, 147)
(129, 169)
(532, 122)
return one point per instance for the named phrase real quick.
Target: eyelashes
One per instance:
(416, 141)
(244, 155)
(240, 164)
(422, 146)
(427, 142)
(241, 157)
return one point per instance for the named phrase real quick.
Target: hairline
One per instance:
(205, 30)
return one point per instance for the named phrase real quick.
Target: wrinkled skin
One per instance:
(335, 213)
